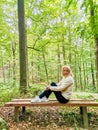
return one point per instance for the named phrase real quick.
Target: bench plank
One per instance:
(51, 103)
(29, 99)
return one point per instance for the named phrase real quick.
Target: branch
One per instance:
(34, 48)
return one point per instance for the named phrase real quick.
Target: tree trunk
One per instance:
(80, 72)
(94, 30)
(84, 75)
(22, 47)
(75, 74)
(14, 61)
(38, 67)
(58, 64)
(92, 70)
(69, 37)
(96, 40)
(3, 71)
(63, 50)
(45, 68)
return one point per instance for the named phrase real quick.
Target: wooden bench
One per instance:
(82, 104)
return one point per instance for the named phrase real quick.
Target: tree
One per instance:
(22, 47)
(94, 25)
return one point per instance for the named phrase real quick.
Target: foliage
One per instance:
(7, 93)
(58, 33)
(3, 124)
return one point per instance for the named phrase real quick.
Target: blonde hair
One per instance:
(68, 67)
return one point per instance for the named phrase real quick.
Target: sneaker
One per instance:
(36, 99)
(44, 99)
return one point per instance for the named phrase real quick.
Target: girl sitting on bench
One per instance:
(62, 90)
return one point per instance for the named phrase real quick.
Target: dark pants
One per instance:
(58, 94)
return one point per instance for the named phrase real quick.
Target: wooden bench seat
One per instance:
(81, 103)
(51, 103)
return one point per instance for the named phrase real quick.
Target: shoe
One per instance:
(44, 99)
(36, 99)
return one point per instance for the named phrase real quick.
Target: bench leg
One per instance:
(16, 112)
(23, 110)
(84, 115)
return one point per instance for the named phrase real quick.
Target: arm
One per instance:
(64, 86)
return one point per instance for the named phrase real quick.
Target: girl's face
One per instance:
(65, 71)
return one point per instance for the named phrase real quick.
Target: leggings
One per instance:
(58, 94)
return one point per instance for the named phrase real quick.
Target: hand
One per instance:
(48, 87)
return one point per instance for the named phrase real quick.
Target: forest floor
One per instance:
(49, 118)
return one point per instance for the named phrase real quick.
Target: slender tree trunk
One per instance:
(96, 40)
(32, 76)
(38, 72)
(83, 64)
(87, 77)
(84, 75)
(58, 64)
(22, 47)
(63, 44)
(92, 70)
(69, 37)
(94, 30)
(80, 72)
(45, 68)
(63, 50)
(80, 77)
(75, 74)
(3, 71)
(14, 61)
(9, 74)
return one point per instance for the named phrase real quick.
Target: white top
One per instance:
(65, 86)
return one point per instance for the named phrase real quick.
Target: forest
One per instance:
(38, 37)
(57, 33)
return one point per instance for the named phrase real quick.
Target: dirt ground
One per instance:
(50, 118)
